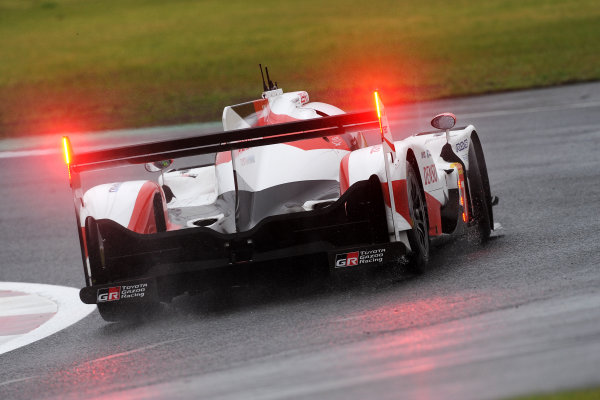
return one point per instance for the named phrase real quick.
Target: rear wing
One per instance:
(217, 142)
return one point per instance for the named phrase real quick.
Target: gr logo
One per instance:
(109, 294)
(346, 259)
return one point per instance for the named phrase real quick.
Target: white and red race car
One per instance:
(289, 178)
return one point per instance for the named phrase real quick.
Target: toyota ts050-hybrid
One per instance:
(288, 178)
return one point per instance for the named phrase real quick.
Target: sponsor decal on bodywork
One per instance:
(336, 140)
(430, 174)
(115, 187)
(463, 145)
(303, 97)
(186, 173)
(122, 292)
(109, 294)
(359, 257)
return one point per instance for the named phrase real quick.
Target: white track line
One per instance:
(69, 309)
(5, 339)
(17, 380)
(498, 113)
(126, 353)
(513, 111)
(26, 304)
(162, 132)
(27, 153)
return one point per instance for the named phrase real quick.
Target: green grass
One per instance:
(583, 394)
(88, 65)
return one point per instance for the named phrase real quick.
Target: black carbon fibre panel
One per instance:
(356, 219)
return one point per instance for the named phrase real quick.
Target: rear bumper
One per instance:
(165, 287)
(349, 233)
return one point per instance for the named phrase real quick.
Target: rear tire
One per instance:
(480, 201)
(418, 236)
(131, 312)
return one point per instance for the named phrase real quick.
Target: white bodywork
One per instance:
(267, 168)
(432, 168)
(112, 201)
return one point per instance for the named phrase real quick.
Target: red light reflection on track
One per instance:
(113, 371)
(410, 334)
(104, 373)
(420, 312)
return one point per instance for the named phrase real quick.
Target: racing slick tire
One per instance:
(480, 200)
(132, 312)
(418, 236)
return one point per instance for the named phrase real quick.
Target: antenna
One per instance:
(271, 86)
(263, 78)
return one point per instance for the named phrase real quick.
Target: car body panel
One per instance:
(290, 177)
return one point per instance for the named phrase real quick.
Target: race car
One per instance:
(288, 178)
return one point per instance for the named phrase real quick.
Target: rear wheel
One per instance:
(418, 236)
(480, 199)
(117, 312)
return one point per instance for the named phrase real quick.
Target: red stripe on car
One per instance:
(400, 197)
(223, 157)
(332, 142)
(11, 293)
(435, 217)
(142, 218)
(344, 174)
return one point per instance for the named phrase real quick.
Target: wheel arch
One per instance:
(419, 254)
(411, 158)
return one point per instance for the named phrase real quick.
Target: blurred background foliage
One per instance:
(85, 65)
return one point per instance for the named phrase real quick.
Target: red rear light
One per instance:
(377, 104)
(67, 150)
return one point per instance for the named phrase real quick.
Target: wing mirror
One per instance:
(444, 121)
(158, 166)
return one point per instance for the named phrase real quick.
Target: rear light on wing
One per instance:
(67, 152)
(384, 127)
(376, 95)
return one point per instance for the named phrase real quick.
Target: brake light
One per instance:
(67, 150)
(377, 105)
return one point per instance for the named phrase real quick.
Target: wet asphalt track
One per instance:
(519, 315)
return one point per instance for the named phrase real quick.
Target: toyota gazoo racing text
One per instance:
(287, 179)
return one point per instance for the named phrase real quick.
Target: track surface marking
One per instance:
(30, 312)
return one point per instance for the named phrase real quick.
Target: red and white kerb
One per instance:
(21, 313)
